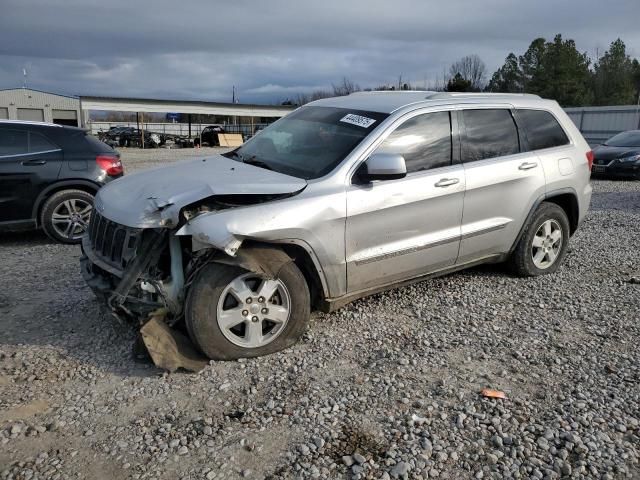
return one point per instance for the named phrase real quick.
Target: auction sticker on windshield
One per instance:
(358, 120)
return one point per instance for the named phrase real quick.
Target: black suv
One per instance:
(49, 175)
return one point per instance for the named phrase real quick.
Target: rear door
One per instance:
(399, 229)
(29, 162)
(503, 182)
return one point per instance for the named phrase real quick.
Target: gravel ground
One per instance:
(384, 388)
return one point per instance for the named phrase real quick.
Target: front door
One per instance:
(399, 229)
(28, 163)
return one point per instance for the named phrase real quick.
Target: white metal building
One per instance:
(37, 106)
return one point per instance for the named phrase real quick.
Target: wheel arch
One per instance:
(300, 254)
(565, 198)
(568, 201)
(78, 184)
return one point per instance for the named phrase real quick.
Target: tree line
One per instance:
(552, 69)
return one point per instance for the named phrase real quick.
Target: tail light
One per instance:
(590, 159)
(110, 164)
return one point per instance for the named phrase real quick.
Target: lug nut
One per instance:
(249, 300)
(261, 299)
(254, 319)
(245, 313)
(265, 310)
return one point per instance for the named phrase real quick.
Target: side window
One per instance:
(542, 129)
(38, 143)
(13, 142)
(488, 134)
(424, 141)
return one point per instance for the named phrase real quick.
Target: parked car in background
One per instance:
(619, 156)
(122, 136)
(49, 175)
(341, 198)
(209, 135)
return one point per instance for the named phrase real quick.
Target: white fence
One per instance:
(597, 124)
(172, 128)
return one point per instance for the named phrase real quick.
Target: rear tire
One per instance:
(65, 215)
(219, 291)
(544, 243)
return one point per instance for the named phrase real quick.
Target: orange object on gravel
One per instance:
(487, 392)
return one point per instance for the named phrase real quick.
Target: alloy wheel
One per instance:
(547, 244)
(70, 218)
(252, 311)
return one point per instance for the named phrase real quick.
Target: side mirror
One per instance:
(383, 166)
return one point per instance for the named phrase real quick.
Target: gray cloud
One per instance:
(274, 49)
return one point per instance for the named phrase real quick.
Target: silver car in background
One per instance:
(342, 198)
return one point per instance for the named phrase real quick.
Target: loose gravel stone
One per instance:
(398, 400)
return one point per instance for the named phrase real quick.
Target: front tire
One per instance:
(544, 243)
(232, 313)
(65, 215)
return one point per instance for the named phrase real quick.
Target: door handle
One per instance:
(446, 182)
(34, 162)
(528, 165)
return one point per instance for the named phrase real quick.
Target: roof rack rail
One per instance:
(383, 92)
(438, 95)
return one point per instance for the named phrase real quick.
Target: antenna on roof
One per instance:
(24, 78)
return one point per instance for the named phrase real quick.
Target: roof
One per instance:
(39, 91)
(390, 101)
(40, 124)
(29, 122)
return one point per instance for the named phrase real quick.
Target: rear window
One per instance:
(542, 129)
(489, 133)
(98, 146)
(13, 142)
(38, 143)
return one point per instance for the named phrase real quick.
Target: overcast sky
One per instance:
(273, 49)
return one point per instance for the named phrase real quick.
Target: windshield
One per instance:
(625, 139)
(309, 142)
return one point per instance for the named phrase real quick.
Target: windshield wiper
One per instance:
(257, 163)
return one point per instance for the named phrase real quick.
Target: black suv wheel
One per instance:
(65, 215)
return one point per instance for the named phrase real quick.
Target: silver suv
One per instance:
(341, 198)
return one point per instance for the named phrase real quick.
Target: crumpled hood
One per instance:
(153, 198)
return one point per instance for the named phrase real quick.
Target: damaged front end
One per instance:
(143, 274)
(136, 271)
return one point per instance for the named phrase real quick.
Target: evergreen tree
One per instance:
(459, 84)
(613, 80)
(508, 78)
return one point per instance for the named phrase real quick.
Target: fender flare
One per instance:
(261, 259)
(534, 207)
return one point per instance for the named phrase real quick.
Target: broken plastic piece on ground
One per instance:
(487, 392)
(170, 349)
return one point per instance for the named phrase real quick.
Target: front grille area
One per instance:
(113, 243)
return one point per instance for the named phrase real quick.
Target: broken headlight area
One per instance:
(223, 202)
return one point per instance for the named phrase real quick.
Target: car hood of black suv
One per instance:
(154, 198)
(606, 153)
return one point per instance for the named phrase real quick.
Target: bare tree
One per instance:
(472, 69)
(345, 87)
